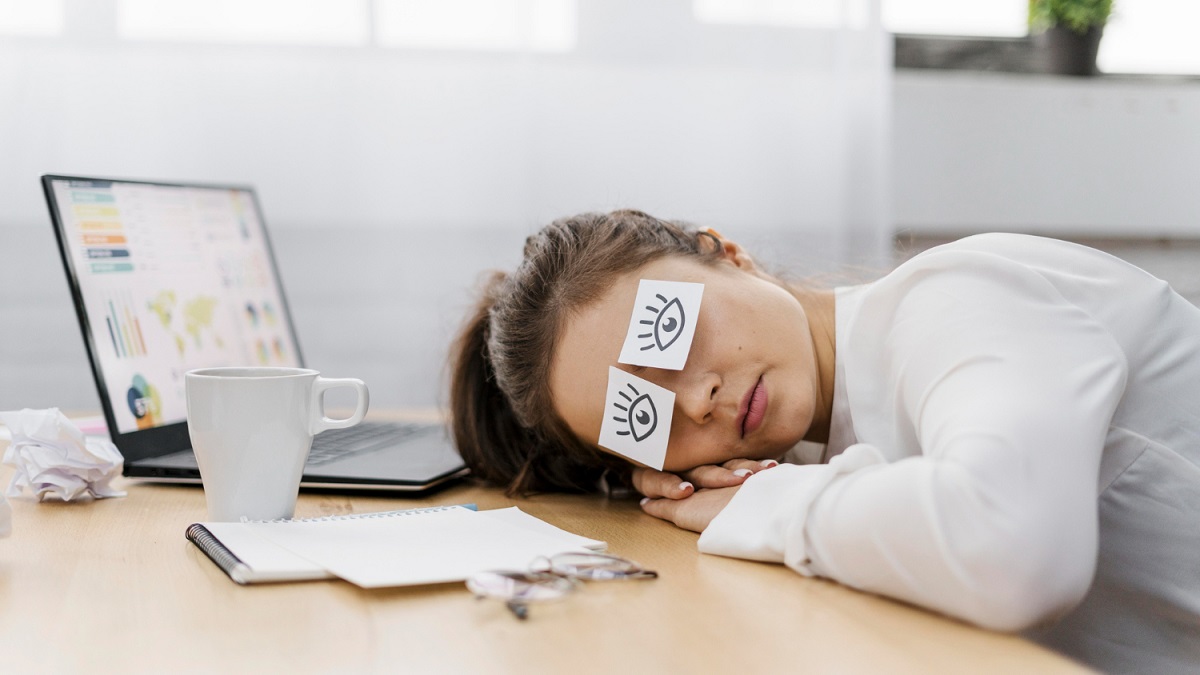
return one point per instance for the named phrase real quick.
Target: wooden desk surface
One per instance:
(113, 586)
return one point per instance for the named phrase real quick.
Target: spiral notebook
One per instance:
(390, 548)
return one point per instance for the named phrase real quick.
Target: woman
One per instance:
(1011, 424)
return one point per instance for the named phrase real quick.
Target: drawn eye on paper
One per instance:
(637, 418)
(662, 324)
(666, 326)
(639, 413)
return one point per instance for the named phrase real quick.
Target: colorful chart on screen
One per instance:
(173, 278)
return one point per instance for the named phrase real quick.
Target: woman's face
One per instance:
(751, 334)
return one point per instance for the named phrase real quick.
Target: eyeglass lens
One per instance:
(552, 578)
(596, 566)
(524, 586)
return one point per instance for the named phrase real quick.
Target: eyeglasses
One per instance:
(552, 578)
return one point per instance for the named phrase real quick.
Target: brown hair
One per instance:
(504, 421)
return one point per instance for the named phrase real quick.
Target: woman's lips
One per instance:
(753, 408)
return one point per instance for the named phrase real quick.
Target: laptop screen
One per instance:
(169, 278)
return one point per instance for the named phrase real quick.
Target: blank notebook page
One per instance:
(417, 548)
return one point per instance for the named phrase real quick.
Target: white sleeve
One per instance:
(1008, 390)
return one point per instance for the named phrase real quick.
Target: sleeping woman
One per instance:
(1008, 426)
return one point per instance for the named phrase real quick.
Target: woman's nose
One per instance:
(697, 397)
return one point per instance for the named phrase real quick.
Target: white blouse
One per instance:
(1015, 443)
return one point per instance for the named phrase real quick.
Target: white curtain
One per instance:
(390, 176)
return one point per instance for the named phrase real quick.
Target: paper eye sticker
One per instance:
(637, 418)
(663, 324)
(640, 414)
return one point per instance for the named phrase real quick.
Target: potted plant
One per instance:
(1066, 33)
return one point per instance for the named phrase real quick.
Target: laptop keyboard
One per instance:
(337, 443)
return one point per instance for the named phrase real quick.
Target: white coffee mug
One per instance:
(251, 430)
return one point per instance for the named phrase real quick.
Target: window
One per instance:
(1151, 36)
(31, 17)
(987, 18)
(1142, 36)
(316, 22)
(818, 14)
(536, 25)
(1004, 18)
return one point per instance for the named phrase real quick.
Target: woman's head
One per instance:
(530, 374)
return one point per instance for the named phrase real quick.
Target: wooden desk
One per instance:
(113, 586)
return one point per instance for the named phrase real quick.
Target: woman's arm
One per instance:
(1008, 390)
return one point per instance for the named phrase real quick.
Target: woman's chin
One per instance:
(775, 451)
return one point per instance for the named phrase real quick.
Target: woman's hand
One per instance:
(694, 512)
(659, 484)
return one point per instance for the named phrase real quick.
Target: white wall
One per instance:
(391, 178)
(1105, 157)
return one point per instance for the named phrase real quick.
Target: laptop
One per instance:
(167, 277)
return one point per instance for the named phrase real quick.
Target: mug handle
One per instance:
(320, 421)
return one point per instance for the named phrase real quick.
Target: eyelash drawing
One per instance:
(636, 414)
(666, 326)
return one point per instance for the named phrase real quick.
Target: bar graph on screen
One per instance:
(124, 327)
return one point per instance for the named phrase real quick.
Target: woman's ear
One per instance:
(730, 251)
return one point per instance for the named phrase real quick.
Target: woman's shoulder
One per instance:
(986, 299)
(978, 267)
(1010, 263)
(983, 282)
(1043, 254)
(1026, 249)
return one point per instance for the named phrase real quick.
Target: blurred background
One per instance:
(401, 147)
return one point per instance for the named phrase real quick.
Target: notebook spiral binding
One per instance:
(222, 557)
(216, 551)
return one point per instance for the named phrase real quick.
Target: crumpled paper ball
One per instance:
(54, 458)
